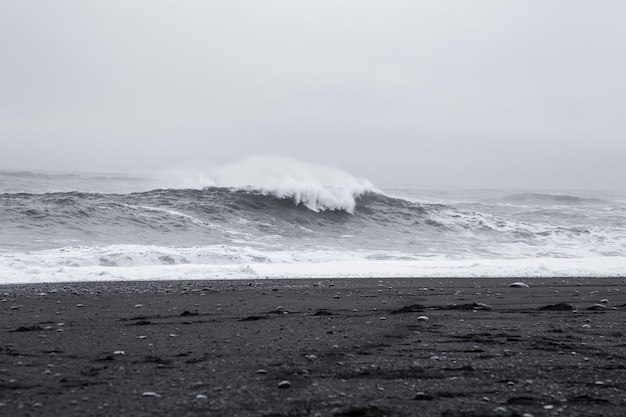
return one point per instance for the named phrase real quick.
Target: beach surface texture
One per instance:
(360, 347)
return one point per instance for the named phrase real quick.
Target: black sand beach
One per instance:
(366, 347)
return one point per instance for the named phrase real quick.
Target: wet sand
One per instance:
(361, 347)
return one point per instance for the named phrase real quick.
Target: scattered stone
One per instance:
(422, 396)
(201, 397)
(518, 284)
(597, 307)
(150, 394)
(557, 307)
(278, 310)
(80, 305)
(322, 312)
(253, 318)
(413, 308)
(604, 301)
(586, 399)
(423, 318)
(261, 372)
(468, 306)
(522, 401)
(284, 384)
(119, 352)
(367, 411)
(32, 328)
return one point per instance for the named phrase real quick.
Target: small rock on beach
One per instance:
(284, 384)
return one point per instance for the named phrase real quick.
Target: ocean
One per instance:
(303, 222)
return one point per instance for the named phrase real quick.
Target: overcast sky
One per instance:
(470, 93)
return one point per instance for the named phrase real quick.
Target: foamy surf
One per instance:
(316, 187)
(233, 263)
(278, 218)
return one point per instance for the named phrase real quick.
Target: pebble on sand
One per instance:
(150, 394)
(518, 284)
(557, 307)
(284, 384)
(423, 318)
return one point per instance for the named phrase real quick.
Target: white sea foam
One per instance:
(128, 262)
(84, 238)
(314, 186)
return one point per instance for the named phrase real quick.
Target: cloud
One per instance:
(392, 91)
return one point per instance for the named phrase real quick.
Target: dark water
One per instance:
(50, 220)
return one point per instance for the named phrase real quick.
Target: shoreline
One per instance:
(347, 347)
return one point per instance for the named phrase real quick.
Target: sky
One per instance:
(516, 94)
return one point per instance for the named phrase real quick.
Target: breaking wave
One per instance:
(290, 219)
(317, 187)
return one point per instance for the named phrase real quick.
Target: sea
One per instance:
(294, 220)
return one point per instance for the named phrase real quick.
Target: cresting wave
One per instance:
(293, 220)
(254, 218)
(191, 217)
(317, 187)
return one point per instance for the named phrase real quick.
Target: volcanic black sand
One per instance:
(366, 347)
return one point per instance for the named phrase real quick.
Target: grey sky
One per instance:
(471, 93)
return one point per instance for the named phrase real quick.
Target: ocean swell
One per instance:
(280, 219)
(317, 187)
